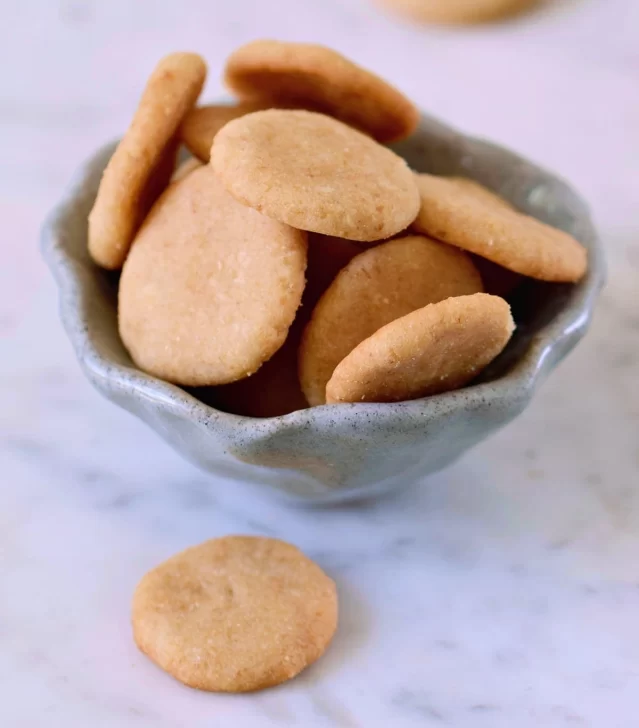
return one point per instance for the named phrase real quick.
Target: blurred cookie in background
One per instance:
(458, 12)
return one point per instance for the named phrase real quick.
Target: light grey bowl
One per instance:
(339, 452)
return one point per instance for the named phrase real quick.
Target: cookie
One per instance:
(274, 390)
(487, 226)
(201, 125)
(317, 78)
(315, 173)
(458, 11)
(188, 166)
(440, 347)
(210, 287)
(235, 614)
(143, 162)
(376, 287)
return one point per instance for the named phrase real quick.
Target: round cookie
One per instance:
(458, 11)
(315, 173)
(210, 287)
(440, 347)
(376, 287)
(235, 614)
(486, 225)
(274, 390)
(312, 76)
(143, 162)
(201, 125)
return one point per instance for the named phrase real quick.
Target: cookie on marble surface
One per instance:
(484, 224)
(440, 347)
(376, 287)
(318, 78)
(143, 162)
(201, 125)
(210, 287)
(235, 614)
(314, 173)
(458, 11)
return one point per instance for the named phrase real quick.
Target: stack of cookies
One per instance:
(295, 260)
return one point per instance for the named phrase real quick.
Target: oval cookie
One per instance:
(484, 224)
(143, 162)
(315, 173)
(312, 76)
(210, 287)
(235, 614)
(435, 349)
(376, 287)
(458, 11)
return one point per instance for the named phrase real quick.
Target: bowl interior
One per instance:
(336, 448)
(436, 149)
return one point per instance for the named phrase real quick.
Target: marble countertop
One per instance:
(502, 593)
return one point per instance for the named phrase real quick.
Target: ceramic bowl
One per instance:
(339, 452)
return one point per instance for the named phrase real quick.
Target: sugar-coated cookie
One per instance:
(376, 287)
(210, 287)
(318, 78)
(143, 162)
(487, 226)
(434, 349)
(235, 614)
(315, 173)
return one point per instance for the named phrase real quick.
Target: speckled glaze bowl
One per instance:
(339, 452)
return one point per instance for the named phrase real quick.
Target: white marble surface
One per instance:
(503, 593)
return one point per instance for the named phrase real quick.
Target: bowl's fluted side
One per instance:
(338, 451)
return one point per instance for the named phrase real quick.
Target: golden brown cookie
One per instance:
(435, 349)
(458, 11)
(188, 166)
(315, 173)
(235, 614)
(311, 76)
(274, 390)
(201, 125)
(376, 287)
(143, 162)
(453, 212)
(210, 287)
